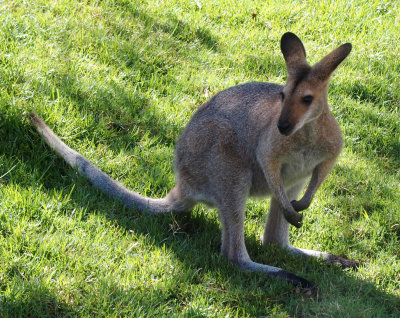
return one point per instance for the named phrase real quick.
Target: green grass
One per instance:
(118, 80)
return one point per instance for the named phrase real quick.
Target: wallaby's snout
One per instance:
(284, 127)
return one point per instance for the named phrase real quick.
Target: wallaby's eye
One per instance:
(307, 100)
(282, 96)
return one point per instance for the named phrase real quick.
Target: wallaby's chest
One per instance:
(299, 164)
(296, 166)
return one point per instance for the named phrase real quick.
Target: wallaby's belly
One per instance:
(259, 186)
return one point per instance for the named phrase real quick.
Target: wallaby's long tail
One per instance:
(97, 177)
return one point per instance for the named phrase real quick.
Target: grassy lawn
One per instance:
(118, 80)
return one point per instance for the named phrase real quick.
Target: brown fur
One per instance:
(247, 141)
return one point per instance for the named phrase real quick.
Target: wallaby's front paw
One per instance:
(299, 205)
(293, 217)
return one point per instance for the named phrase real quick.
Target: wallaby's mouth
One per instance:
(284, 127)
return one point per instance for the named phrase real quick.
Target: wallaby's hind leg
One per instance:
(276, 231)
(225, 234)
(232, 213)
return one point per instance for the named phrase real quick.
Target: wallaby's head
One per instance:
(305, 93)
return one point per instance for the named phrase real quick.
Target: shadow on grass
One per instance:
(36, 301)
(122, 110)
(382, 117)
(180, 30)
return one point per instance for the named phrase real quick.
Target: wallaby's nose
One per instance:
(284, 127)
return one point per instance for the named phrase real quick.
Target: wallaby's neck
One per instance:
(314, 130)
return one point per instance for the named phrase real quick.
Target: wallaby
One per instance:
(255, 139)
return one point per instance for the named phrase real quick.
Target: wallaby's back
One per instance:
(247, 108)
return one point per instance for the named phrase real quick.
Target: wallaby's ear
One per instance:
(324, 68)
(294, 52)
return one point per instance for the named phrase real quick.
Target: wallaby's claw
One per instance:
(293, 217)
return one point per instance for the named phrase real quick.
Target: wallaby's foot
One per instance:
(342, 261)
(276, 272)
(329, 258)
